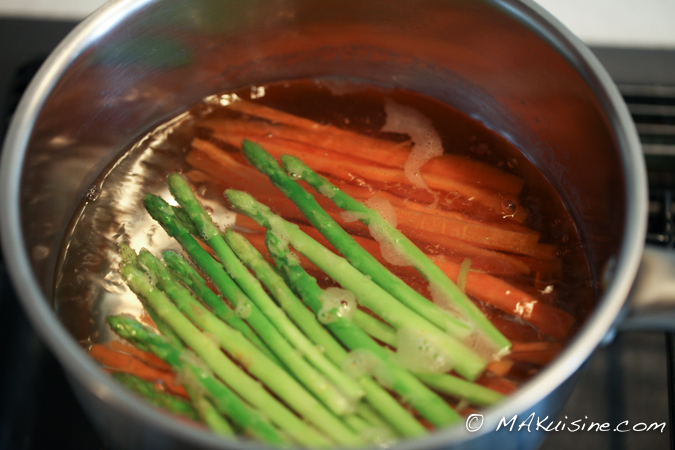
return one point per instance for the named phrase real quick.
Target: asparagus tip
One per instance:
(294, 166)
(128, 255)
(156, 205)
(244, 202)
(257, 155)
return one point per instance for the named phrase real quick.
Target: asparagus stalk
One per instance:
(474, 393)
(185, 220)
(207, 350)
(430, 405)
(370, 217)
(184, 361)
(206, 411)
(264, 272)
(130, 259)
(186, 274)
(209, 414)
(447, 384)
(269, 316)
(375, 328)
(400, 419)
(369, 294)
(149, 391)
(371, 416)
(347, 246)
(249, 356)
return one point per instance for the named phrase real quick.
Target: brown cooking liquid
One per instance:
(89, 287)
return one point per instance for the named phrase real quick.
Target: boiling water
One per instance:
(89, 287)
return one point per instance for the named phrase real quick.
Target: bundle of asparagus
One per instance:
(269, 354)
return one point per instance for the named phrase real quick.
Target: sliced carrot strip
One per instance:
(122, 362)
(366, 192)
(491, 290)
(147, 358)
(498, 384)
(231, 173)
(514, 331)
(378, 150)
(417, 225)
(539, 353)
(501, 367)
(349, 168)
(504, 296)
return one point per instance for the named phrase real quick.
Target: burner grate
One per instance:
(653, 110)
(661, 229)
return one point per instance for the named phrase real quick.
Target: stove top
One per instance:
(627, 380)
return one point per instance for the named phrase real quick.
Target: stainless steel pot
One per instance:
(135, 63)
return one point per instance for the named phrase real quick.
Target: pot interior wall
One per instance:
(483, 58)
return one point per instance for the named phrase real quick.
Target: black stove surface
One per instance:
(627, 380)
(38, 409)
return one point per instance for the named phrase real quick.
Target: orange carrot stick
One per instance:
(539, 353)
(378, 150)
(418, 224)
(501, 367)
(491, 290)
(352, 167)
(504, 296)
(232, 173)
(514, 331)
(147, 358)
(122, 362)
(499, 384)
(365, 192)
(230, 177)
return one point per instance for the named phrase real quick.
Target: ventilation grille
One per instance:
(653, 110)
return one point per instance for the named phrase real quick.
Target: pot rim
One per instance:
(80, 366)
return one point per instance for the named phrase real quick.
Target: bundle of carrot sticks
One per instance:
(470, 220)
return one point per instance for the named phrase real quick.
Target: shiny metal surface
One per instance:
(653, 293)
(134, 64)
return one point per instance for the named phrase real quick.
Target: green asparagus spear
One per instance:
(207, 412)
(185, 220)
(347, 246)
(184, 362)
(206, 349)
(447, 384)
(369, 294)
(129, 258)
(264, 272)
(187, 275)
(270, 316)
(161, 399)
(406, 249)
(375, 328)
(210, 415)
(230, 340)
(430, 405)
(455, 386)
(388, 407)
(371, 416)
